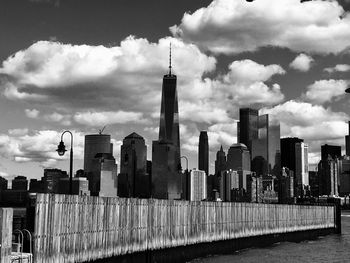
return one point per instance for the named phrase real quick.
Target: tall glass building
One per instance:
(266, 150)
(166, 179)
(247, 126)
(203, 152)
(133, 179)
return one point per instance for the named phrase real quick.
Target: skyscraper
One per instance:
(347, 142)
(238, 159)
(103, 180)
(266, 150)
(288, 152)
(330, 150)
(203, 152)
(301, 168)
(133, 179)
(20, 183)
(166, 179)
(344, 176)
(247, 126)
(198, 185)
(97, 144)
(220, 162)
(328, 174)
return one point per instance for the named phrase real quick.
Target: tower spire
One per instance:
(170, 60)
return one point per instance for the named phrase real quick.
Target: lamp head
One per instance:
(61, 149)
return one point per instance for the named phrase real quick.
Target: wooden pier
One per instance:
(83, 228)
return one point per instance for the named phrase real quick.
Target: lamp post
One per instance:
(61, 149)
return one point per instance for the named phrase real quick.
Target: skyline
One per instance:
(59, 80)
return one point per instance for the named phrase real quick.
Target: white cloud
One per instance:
(244, 83)
(107, 117)
(126, 77)
(338, 68)
(203, 111)
(248, 71)
(302, 63)
(33, 114)
(4, 174)
(227, 26)
(93, 81)
(218, 134)
(315, 124)
(37, 146)
(326, 90)
(18, 132)
(64, 119)
(222, 134)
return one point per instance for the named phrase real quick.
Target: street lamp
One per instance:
(61, 149)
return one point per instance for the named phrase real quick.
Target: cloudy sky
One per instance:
(84, 64)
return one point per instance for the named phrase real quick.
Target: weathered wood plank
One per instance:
(83, 228)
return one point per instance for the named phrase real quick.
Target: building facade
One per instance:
(288, 152)
(247, 127)
(20, 183)
(328, 174)
(238, 159)
(334, 151)
(166, 176)
(266, 151)
(301, 173)
(203, 152)
(198, 185)
(133, 179)
(103, 180)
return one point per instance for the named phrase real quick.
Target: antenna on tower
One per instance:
(170, 59)
(101, 131)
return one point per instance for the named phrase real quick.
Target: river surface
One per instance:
(331, 248)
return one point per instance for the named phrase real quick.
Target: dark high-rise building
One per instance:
(51, 179)
(266, 150)
(103, 180)
(3, 183)
(133, 180)
(20, 183)
(328, 174)
(247, 126)
(220, 162)
(344, 176)
(288, 152)
(347, 142)
(301, 173)
(238, 159)
(203, 153)
(213, 180)
(166, 177)
(36, 186)
(314, 183)
(285, 186)
(330, 150)
(80, 186)
(94, 144)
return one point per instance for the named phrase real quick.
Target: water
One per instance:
(331, 248)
